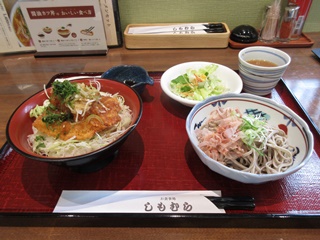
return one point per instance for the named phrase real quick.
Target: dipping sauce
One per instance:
(262, 63)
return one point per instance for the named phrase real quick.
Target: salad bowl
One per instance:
(222, 80)
(278, 116)
(17, 133)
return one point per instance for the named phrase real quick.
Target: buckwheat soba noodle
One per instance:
(245, 142)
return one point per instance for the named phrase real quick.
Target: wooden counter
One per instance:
(21, 75)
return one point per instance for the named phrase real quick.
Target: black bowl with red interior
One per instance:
(19, 127)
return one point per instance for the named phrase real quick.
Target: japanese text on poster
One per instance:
(58, 25)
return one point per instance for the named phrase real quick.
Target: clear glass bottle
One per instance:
(270, 24)
(287, 24)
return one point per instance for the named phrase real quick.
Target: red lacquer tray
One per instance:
(158, 156)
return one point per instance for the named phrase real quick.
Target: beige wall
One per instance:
(232, 12)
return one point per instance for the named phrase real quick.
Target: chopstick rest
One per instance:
(233, 203)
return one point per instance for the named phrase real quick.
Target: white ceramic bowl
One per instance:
(298, 132)
(258, 85)
(229, 77)
(261, 80)
(280, 58)
(265, 74)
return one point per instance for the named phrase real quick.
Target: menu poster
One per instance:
(111, 19)
(60, 28)
(14, 33)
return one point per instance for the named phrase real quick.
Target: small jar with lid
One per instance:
(287, 23)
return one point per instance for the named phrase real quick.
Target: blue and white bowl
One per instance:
(298, 132)
(260, 80)
(258, 85)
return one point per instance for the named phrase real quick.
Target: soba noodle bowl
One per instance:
(245, 143)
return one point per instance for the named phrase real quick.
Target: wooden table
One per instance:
(21, 75)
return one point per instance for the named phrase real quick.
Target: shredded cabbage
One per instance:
(79, 104)
(198, 84)
(38, 110)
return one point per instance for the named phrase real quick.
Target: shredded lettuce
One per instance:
(198, 84)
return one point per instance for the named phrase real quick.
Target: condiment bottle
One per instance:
(301, 17)
(287, 23)
(270, 24)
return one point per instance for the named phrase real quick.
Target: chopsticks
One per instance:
(233, 203)
(171, 28)
(89, 29)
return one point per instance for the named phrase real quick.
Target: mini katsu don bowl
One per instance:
(20, 126)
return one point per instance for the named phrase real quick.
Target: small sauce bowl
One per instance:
(131, 75)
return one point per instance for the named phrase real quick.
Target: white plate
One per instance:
(230, 79)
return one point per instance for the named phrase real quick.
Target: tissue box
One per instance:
(170, 40)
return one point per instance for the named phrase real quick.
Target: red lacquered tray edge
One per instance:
(163, 220)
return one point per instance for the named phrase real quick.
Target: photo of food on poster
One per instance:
(13, 28)
(59, 25)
